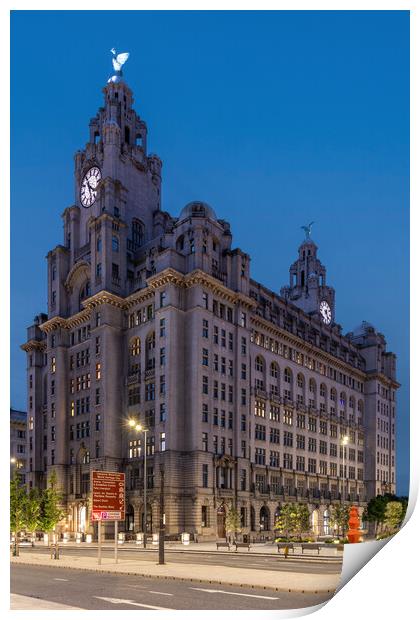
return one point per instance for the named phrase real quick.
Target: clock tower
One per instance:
(307, 288)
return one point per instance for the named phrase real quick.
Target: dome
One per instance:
(197, 209)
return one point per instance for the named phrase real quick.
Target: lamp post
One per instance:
(140, 429)
(344, 442)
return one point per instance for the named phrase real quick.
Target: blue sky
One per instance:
(274, 118)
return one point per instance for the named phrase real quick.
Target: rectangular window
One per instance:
(162, 414)
(205, 442)
(162, 328)
(205, 475)
(205, 517)
(162, 442)
(205, 388)
(162, 298)
(205, 413)
(98, 371)
(205, 357)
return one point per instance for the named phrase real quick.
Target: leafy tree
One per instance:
(340, 517)
(394, 513)
(18, 501)
(32, 512)
(232, 522)
(292, 520)
(376, 509)
(50, 513)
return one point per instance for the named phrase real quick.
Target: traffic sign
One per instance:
(108, 496)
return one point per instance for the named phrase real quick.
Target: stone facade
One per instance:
(18, 439)
(246, 394)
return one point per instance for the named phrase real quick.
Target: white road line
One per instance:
(122, 601)
(163, 593)
(59, 579)
(271, 598)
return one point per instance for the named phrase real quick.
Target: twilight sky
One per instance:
(274, 118)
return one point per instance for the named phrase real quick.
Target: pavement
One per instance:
(293, 580)
(17, 601)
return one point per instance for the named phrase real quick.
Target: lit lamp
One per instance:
(344, 442)
(140, 429)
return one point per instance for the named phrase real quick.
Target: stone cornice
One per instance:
(215, 286)
(104, 297)
(307, 347)
(167, 276)
(33, 345)
(51, 325)
(379, 376)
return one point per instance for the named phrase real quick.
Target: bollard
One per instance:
(55, 552)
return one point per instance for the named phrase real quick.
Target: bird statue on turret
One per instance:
(308, 229)
(118, 60)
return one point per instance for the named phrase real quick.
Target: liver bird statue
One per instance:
(118, 60)
(308, 229)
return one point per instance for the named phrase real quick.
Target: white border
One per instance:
(386, 586)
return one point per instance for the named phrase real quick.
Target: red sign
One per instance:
(108, 496)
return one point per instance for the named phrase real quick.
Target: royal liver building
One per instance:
(250, 398)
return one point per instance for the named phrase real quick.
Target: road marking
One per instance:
(163, 593)
(271, 598)
(59, 579)
(122, 601)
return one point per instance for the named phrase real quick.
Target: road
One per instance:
(91, 590)
(257, 562)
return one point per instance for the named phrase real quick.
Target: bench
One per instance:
(310, 546)
(222, 544)
(285, 545)
(242, 545)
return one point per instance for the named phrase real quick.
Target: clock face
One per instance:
(325, 312)
(89, 186)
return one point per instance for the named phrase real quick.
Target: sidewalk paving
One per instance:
(17, 601)
(285, 581)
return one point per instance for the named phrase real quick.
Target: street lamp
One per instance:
(344, 442)
(140, 429)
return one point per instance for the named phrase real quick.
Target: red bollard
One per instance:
(353, 533)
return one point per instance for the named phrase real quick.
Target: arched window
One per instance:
(135, 347)
(115, 243)
(312, 386)
(287, 375)
(360, 406)
(252, 519)
(180, 243)
(259, 364)
(300, 381)
(333, 395)
(150, 351)
(323, 390)
(264, 519)
(351, 402)
(137, 233)
(84, 292)
(343, 400)
(326, 523)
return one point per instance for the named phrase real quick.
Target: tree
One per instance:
(18, 500)
(394, 514)
(32, 512)
(293, 519)
(340, 517)
(50, 513)
(232, 522)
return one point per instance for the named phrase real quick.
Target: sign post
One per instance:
(108, 503)
(99, 542)
(116, 543)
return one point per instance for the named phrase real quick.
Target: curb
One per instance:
(187, 579)
(299, 556)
